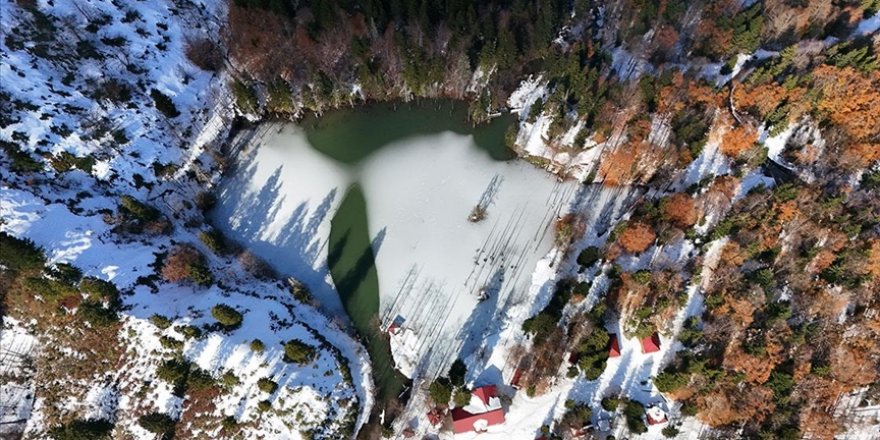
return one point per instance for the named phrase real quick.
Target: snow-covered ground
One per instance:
(57, 107)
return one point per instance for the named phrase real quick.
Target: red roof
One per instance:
(435, 417)
(661, 418)
(517, 374)
(463, 421)
(651, 343)
(613, 347)
(393, 328)
(485, 393)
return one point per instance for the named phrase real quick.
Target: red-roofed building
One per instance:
(483, 411)
(651, 343)
(655, 416)
(395, 326)
(517, 375)
(435, 416)
(613, 347)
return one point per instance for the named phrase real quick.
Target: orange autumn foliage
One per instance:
(850, 99)
(637, 237)
(680, 209)
(737, 140)
(722, 407)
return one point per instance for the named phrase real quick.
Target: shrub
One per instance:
(160, 321)
(65, 161)
(264, 405)
(214, 240)
(95, 314)
(171, 343)
(610, 403)
(137, 210)
(669, 431)
(589, 256)
(636, 237)
(200, 379)
(226, 316)
(20, 254)
(205, 200)
(82, 430)
(157, 423)
(229, 423)
(257, 346)
(164, 104)
(298, 352)
(66, 273)
(99, 290)
(185, 262)
(680, 210)
(21, 162)
(642, 277)
(173, 371)
(457, 371)
(440, 391)
(254, 265)
(229, 380)
(204, 53)
(190, 331)
(461, 397)
(245, 97)
(633, 411)
(267, 385)
(577, 416)
(669, 380)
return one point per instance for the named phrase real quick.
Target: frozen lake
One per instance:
(375, 204)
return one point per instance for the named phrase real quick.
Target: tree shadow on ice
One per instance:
(293, 247)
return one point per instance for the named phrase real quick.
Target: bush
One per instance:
(185, 262)
(257, 346)
(200, 379)
(440, 391)
(66, 273)
(226, 316)
(99, 290)
(636, 237)
(254, 265)
(298, 352)
(164, 104)
(214, 240)
(205, 200)
(190, 331)
(633, 411)
(457, 371)
(229, 423)
(245, 97)
(610, 403)
(160, 321)
(82, 430)
(132, 208)
(461, 397)
(589, 256)
(157, 423)
(171, 343)
(173, 371)
(22, 162)
(669, 380)
(204, 53)
(95, 314)
(229, 380)
(670, 431)
(264, 405)
(20, 254)
(267, 385)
